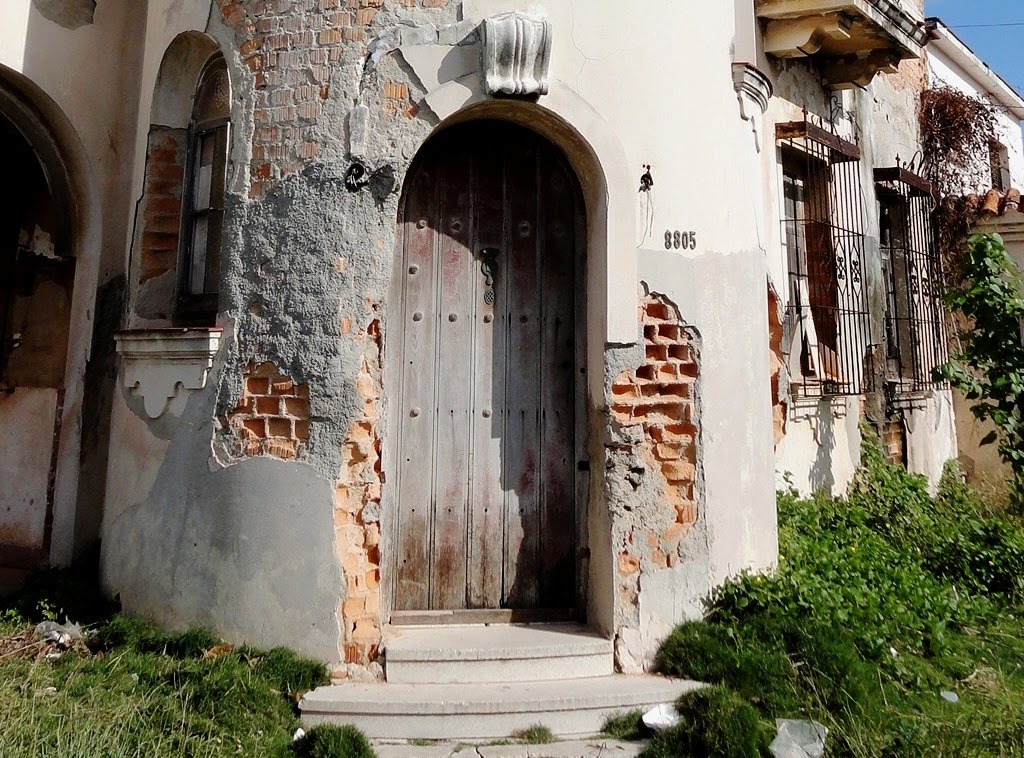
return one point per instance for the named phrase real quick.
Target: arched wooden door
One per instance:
(489, 394)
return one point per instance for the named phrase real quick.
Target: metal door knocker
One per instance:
(489, 268)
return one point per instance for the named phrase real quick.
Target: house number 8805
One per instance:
(676, 240)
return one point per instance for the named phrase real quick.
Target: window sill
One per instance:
(159, 361)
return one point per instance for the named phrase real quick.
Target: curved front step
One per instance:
(500, 653)
(569, 708)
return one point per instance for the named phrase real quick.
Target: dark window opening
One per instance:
(827, 324)
(999, 165)
(203, 209)
(915, 334)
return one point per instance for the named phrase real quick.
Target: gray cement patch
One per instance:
(71, 14)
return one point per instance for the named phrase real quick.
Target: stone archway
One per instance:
(49, 251)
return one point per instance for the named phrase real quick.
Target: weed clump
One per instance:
(714, 722)
(627, 726)
(329, 741)
(538, 734)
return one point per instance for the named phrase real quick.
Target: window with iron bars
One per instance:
(915, 331)
(827, 325)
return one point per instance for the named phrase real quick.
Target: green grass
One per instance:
(538, 734)
(882, 600)
(137, 691)
(713, 721)
(627, 726)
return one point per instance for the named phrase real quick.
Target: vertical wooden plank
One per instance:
(454, 383)
(582, 420)
(486, 544)
(557, 339)
(522, 409)
(416, 400)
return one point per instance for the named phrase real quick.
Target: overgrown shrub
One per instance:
(329, 741)
(989, 366)
(882, 599)
(714, 722)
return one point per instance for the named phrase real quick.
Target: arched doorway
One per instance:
(37, 277)
(488, 376)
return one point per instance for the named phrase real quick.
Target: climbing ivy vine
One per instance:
(988, 367)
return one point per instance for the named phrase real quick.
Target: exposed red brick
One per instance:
(660, 398)
(257, 423)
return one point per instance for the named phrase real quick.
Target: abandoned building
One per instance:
(340, 322)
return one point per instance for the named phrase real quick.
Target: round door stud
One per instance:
(414, 269)
(486, 413)
(417, 316)
(414, 412)
(488, 318)
(453, 317)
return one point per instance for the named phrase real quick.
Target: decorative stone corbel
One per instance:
(850, 71)
(517, 54)
(754, 90)
(158, 361)
(800, 37)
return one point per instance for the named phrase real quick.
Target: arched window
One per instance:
(203, 209)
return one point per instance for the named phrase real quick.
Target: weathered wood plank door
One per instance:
(487, 401)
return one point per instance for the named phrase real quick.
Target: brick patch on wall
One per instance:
(161, 219)
(894, 443)
(292, 47)
(357, 514)
(660, 398)
(656, 408)
(780, 407)
(272, 418)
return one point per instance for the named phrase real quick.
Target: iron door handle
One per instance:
(489, 264)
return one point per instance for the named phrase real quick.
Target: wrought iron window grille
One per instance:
(915, 328)
(828, 328)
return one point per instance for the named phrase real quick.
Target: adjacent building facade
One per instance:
(491, 310)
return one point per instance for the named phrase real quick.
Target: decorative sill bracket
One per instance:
(754, 90)
(158, 361)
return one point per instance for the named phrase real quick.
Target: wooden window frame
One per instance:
(201, 309)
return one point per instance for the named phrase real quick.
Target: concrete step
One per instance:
(570, 708)
(498, 653)
(598, 747)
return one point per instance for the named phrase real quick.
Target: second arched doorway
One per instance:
(489, 377)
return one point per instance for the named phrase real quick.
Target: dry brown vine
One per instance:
(956, 132)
